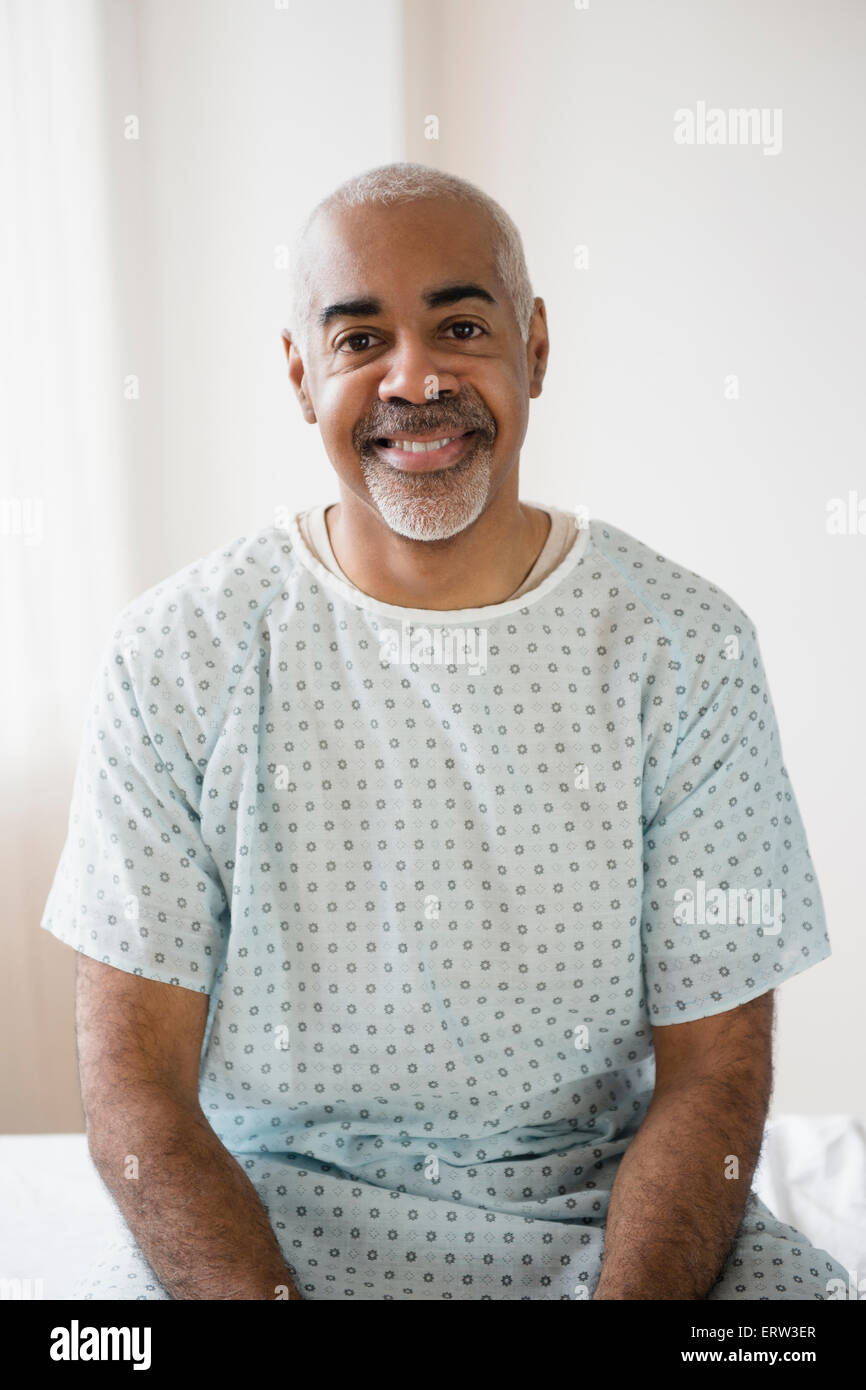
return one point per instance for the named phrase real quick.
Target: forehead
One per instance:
(397, 251)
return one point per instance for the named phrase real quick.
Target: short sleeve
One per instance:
(731, 903)
(136, 887)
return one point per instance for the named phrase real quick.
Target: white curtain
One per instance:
(65, 518)
(64, 541)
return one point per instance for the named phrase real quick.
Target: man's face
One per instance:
(407, 303)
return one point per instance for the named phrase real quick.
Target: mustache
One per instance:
(388, 424)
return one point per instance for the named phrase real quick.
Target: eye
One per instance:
(465, 323)
(363, 335)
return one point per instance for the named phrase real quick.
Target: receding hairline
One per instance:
(399, 185)
(317, 227)
(334, 208)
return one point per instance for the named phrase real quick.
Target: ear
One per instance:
(537, 348)
(297, 376)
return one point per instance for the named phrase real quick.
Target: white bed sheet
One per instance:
(812, 1174)
(56, 1216)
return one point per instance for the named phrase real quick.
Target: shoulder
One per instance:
(192, 635)
(696, 614)
(213, 603)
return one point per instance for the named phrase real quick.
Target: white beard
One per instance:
(431, 506)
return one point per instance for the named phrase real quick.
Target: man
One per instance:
(432, 859)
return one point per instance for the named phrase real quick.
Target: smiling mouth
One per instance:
(425, 453)
(407, 443)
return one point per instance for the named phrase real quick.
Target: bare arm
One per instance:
(193, 1211)
(673, 1212)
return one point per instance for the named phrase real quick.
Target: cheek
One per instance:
(511, 413)
(503, 391)
(338, 413)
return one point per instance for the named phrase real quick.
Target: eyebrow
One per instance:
(368, 306)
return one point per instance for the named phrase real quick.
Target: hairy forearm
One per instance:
(673, 1212)
(192, 1210)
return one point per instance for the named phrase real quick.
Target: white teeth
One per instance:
(415, 446)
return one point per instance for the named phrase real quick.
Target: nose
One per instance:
(416, 374)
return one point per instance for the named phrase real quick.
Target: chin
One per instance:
(427, 528)
(430, 506)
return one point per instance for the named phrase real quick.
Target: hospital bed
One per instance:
(56, 1217)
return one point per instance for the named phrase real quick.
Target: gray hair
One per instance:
(402, 183)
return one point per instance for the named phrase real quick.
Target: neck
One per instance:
(481, 565)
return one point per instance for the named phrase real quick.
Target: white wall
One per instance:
(250, 114)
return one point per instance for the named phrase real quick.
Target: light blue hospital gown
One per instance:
(437, 897)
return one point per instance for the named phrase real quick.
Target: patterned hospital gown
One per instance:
(439, 873)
